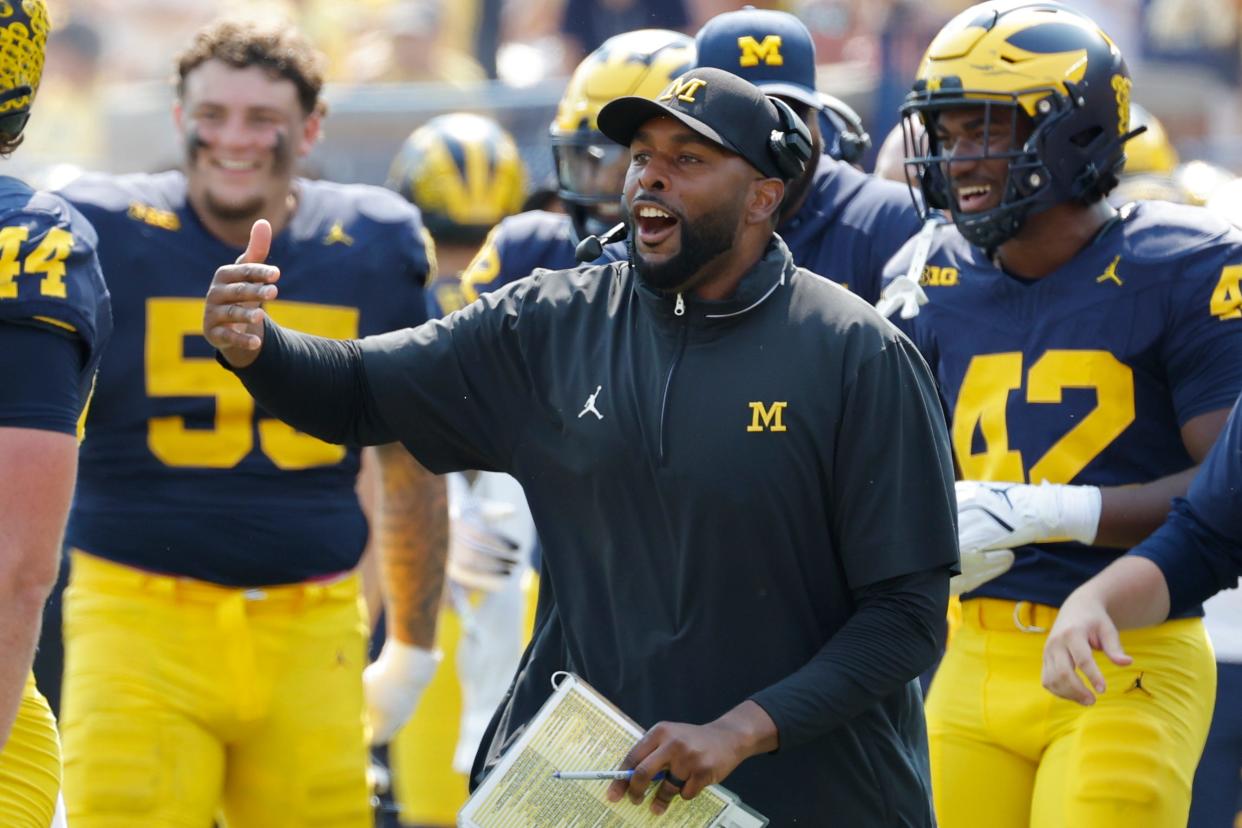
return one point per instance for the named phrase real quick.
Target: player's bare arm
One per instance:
(1130, 592)
(413, 527)
(35, 491)
(412, 520)
(1128, 514)
(233, 316)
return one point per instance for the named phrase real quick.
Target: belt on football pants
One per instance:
(1011, 616)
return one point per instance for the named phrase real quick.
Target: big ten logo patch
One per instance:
(935, 276)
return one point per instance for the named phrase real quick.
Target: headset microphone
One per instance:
(592, 247)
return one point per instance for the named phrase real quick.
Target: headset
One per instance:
(791, 145)
(845, 137)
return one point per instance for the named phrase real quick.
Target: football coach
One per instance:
(740, 472)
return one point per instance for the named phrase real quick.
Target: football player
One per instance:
(465, 175)
(214, 643)
(54, 324)
(1086, 357)
(838, 221)
(590, 169)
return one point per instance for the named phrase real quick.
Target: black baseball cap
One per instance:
(716, 104)
(771, 49)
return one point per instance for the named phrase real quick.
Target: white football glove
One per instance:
(978, 567)
(1005, 515)
(904, 294)
(394, 683)
(480, 555)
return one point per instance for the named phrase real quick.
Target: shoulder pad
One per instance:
(1159, 230)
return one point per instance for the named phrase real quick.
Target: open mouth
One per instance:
(655, 224)
(229, 165)
(974, 197)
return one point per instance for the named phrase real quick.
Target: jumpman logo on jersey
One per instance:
(337, 235)
(590, 405)
(1110, 273)
(1138, 685)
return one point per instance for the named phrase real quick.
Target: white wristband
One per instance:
(1080, 511)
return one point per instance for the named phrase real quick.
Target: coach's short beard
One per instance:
(701, 244)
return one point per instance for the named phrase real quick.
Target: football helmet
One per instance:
(590, 168)
(1061, 84)
(23, 41)
(1151, 153)
(464, 173)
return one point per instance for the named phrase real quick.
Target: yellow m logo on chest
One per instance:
(755, 52)
(767, 417)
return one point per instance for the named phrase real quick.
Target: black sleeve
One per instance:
(315, 384)
(42, 386)
(895, 526)
(455, 392)
(894, 509)
(896, 633)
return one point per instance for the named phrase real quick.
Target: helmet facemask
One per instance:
(590, 174)
(1049, 157)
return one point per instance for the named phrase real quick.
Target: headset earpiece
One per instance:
(852, 138)
(791, 146)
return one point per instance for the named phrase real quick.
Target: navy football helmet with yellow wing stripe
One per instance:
(23, 40)
(590, 168)
(1039, 65)
(464, 172)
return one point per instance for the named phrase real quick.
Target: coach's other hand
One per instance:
(694, 756)
(233, 316)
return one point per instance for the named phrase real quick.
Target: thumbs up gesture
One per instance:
(233, 316)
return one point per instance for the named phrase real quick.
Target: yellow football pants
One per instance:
(185, 701)
(30, 765)
(1006, 752)
(428, 789)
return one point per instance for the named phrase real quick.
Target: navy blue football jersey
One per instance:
(50, 279)
(181, 473)
(1086, 375)
(521, 244)
(850, 225)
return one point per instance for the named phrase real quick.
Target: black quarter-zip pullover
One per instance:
(741, 499)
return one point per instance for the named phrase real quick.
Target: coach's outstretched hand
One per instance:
(233, 317)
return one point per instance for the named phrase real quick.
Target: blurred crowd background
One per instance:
(394, 64)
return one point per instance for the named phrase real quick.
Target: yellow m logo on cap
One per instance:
(753, 52)
(766, 418)
(683, 90)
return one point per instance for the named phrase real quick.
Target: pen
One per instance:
(602, 774)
